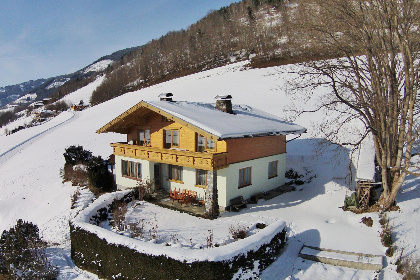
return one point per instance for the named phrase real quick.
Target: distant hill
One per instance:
(266, 32)
(60, 86)
(13, 92)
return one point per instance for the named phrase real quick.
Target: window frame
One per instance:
(197, 173)
(242, 178)
(130, 169)
(206, 146)
(171, 144)
(145, 141)
(270, 169)
(174, 176)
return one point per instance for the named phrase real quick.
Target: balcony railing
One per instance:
(204, 160)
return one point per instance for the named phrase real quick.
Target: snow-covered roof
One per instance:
(366, 160)
(246, 121)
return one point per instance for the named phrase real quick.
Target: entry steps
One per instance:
(342, 258)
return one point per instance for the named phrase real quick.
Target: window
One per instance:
(175, 173)
(171, 138)
(138, 167)
(201, 178)
(204, 143)
(210, 144)
(272, 169)
(201, 141)
(244, 177)
(131, 169)
(144, 137)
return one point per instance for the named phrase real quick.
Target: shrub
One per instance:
(22, 253)
(76, 174)
(58, 106)
(386, 233)
(145, 188)
(367, 221)
(7, 117)
(137, 229)
(238, 231)
(77, 155)
(409, 267)
(98, 174)
(118, 211)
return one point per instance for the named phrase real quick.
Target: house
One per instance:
(79, 107)
(220, 150)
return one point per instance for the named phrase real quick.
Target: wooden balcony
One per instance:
(205, 161)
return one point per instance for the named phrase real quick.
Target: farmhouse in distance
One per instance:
(201, 147)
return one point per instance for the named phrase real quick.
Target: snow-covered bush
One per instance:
(77, 155)
(82, 168)
(238, 231)
(22, 253)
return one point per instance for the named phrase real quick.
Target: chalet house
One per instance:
(230, 150)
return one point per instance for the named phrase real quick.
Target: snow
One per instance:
(245, 121)
(31, 187)
(99, 66)
(366, 160)
(58, 83)
(340, 256)
(83, 93)
(180, 253)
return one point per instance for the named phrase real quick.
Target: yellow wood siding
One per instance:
(205, 161)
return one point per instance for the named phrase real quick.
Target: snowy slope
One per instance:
(31, 187)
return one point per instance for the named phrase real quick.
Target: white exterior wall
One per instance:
(227, 178)
(188, 179)
(125, 183)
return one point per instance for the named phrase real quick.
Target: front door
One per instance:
(157, 175)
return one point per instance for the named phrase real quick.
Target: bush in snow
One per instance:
(77, 155)
(76, 174)
(118, 211)
(238, 231)
(99, 176)
(22, 253)
(145, 188)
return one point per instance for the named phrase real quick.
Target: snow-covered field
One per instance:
(31, 187)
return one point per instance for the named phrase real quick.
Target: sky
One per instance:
(42, 39)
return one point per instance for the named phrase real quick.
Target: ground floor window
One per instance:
(201, 178)
(131, 169)
(244, 177)
(272, 169)
(175, 173)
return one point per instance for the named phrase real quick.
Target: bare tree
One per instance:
(376, 78)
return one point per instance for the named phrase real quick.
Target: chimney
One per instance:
(166, 96)
(224, 103)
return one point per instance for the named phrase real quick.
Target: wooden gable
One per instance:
(138, 115)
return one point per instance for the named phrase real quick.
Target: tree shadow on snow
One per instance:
(410, 190)
(289, 264)
(325, 169)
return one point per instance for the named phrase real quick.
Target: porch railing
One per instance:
(203, 160)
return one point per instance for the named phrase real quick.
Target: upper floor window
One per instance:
(272, 169)
(204, 143)
(144, 137)
(244, 177)
(172, 138)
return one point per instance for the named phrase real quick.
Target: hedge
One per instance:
(111, 261)
(117, 261)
